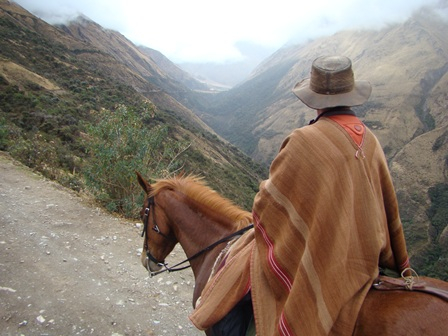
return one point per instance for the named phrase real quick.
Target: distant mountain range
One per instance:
(406, 63)
(229, 74)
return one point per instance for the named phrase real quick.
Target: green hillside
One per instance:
(55, 90)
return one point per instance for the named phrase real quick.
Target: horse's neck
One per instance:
(194, 242)
(196, 231)
(202, 235)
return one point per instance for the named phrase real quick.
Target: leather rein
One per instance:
(176, 267)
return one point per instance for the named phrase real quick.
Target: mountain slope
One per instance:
(54, 80)
(172, 70)
(400, 61)
(154, 82)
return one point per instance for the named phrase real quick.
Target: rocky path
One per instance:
(68, 268)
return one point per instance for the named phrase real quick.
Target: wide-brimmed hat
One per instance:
(332, 84)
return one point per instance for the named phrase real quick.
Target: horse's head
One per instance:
(159, 239)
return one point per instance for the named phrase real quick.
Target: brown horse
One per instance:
(183, 210)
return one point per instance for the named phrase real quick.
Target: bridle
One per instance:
(155, 228)
(177, 267)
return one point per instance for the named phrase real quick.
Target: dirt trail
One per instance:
(68, 268)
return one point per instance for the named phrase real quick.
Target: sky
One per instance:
(200, 31)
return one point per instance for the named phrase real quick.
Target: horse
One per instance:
(184, 210)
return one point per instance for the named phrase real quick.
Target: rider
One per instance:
(324, 220)
(327, 217)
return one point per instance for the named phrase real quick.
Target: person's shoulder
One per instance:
(306, 134)
(369, 132)
(372, 140)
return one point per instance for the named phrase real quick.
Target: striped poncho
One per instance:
(326, 218)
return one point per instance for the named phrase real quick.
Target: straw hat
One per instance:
(332, 84)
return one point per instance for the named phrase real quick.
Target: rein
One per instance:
(176, 267)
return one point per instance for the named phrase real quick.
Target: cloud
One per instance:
(208, 30)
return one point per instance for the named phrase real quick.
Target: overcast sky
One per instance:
(209, 31)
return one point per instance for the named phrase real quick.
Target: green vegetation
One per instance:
(433, 261)
(3, 134)
(440, 141)
(120, 143)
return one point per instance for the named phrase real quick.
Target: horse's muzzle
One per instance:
(150, 265)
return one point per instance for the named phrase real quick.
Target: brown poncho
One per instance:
(324, 220)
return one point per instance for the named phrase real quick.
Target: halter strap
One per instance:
(146, 219)
(176, 267)
(155, 228)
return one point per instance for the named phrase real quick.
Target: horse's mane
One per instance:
(195, 188)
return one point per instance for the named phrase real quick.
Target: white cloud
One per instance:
(208, 30)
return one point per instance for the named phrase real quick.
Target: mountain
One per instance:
(150, 64)
(401, 61)
(172, 70)
(54, 80)
(228, 74)
(407, 64)
(160, 80)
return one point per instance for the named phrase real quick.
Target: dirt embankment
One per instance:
(68, 268)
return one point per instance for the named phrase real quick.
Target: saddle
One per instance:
(386, 283)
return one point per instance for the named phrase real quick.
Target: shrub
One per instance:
(433, 259)
(4, 133)
(121, 143)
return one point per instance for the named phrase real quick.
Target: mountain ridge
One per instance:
(54, 78)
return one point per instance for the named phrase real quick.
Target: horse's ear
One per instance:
(145, 185)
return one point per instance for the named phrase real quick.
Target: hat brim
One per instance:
(358, 96)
